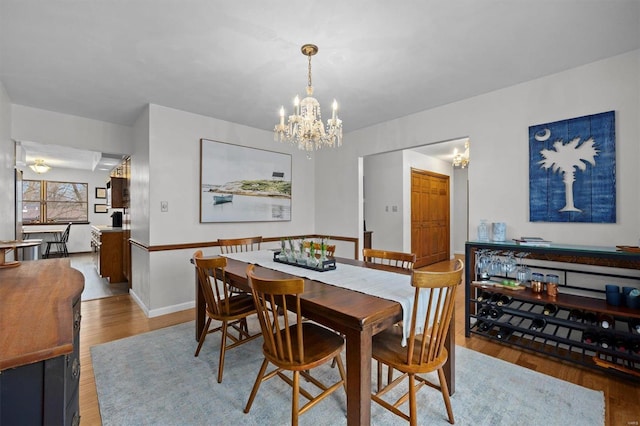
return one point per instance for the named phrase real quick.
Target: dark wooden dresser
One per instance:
(40, 343)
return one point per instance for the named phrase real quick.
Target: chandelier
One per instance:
(461, 160)
(305, 127)
(39, 167)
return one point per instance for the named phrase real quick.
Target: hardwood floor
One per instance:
(113, 318)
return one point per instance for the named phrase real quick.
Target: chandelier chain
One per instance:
(309, 77)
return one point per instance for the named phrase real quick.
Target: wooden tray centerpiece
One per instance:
(319, 265)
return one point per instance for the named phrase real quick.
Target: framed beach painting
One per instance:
(242, 184)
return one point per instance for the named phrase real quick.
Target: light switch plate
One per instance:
(164, 206)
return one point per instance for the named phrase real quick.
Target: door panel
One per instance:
(429, 217)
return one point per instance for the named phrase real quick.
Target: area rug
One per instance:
(154, 379)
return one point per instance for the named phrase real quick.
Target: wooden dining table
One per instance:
(356, 315)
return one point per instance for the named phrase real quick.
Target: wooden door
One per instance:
(429, 217)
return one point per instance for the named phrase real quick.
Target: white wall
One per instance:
(497, 123)
(7, 162)
(173, 176)
(383, 190)
(139, 211)
(41, 126)
(459, 212)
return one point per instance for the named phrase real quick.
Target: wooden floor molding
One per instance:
(113, 318)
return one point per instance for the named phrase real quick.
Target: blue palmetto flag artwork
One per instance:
(572, 170)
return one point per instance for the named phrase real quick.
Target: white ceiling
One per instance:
(240, 60)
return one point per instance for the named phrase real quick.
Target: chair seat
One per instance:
(239, 305)
(387, 348)
(320, 345)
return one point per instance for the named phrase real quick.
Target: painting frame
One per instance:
(100, 208)
(243, 184)
(572, 170)
(101, 193)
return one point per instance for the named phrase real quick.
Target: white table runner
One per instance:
(375, 282)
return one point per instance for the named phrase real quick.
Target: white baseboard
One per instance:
(139, 302)
(161, 311)
(171, 309)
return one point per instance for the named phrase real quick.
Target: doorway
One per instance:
(430, 230)
(388, 184)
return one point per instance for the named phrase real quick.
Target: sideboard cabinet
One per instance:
(40, 341)
(577, 324)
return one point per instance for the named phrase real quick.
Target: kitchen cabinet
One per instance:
(577, 325)
(108, 254)
(115, 188)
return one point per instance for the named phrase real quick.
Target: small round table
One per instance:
(7, 246)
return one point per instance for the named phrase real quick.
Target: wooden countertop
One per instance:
(36, 315)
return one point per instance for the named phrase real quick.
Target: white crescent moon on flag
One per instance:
(542, 135)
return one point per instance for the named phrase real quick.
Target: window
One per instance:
(54, 202)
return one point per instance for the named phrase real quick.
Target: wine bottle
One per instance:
(549, 309)
(495, 312)
(504, 300)
(504, 333)
(589, 337)
(484, 311)
(604, 342)
(495, 297)
(621, 345)
(484, 326)
(575, 315)
(484, 296)
(606, 321)
(590, 318)
(538, 324)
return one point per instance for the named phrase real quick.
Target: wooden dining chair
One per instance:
(329, 248)
(296, 347)
(391, 258)
(239, 245)
(231, 310)
(59, 243)
(424, 351)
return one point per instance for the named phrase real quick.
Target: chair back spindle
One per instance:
(239, 245)
(389, 258)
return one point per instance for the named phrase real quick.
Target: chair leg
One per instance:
(294, 399)
(223, 349)
(413, 415)
(445, 394)
(256, 385)
(203, 336)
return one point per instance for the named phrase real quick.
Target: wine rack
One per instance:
(568, 326)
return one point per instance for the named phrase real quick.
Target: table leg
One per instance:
(450, 366)
(359, 376)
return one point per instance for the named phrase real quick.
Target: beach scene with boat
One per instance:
(240, 184)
